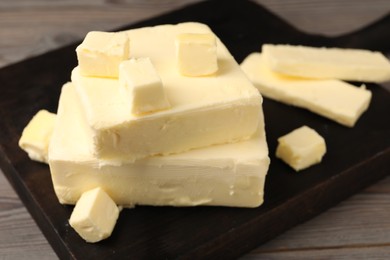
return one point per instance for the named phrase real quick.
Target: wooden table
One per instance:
(357, 228)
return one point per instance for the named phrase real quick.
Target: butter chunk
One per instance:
(100, 53)
(327, 63)
(220, 175)
(141, 83)
(301, 148)
(36, 136)
(94, 216)
(334, 99)
(203, 110)
(196, 54)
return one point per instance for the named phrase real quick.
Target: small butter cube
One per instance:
(301, 148)
(196, 54)
(100, 53)
(94, 215)
(139, 79)
(36, 136)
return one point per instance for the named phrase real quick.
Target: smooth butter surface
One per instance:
(327, 63)
(226, 175)
(204, 110)
(36, 135)
(334, 99)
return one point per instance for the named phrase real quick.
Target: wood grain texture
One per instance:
(357, 228)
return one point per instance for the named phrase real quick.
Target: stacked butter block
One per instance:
(150, 123)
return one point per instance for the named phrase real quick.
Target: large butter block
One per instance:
(36, 136)
(334, 99)
(222, 175)
(100, 53)
(94, 216)
(139, 80)
(204, 110)
(301, 148)
(327, 63)
(196, 54)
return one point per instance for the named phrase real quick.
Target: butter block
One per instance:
(327, 63)
(301, 148)
(204, 110)
(333, 99)
(196, 54)
(141, 83)
(94, 216)
(220, 175)
(36, 136)
(100, 54)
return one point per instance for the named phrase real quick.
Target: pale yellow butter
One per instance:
(327, 63)
(334, 99)
(203, 111)
(140, 81)
(196, 54)
(36, 136)
(301, 148)
(94, 216)
(219, 175)
(100, 54)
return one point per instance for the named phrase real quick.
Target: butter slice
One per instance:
(204, 110)
(327, 63)
(141, 83)
(334, 99)
(36, 136)
(220, 175)
(100, 53)
(94, 216)
(196, 54)
(301, 148)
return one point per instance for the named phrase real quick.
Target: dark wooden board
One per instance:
(356, 157)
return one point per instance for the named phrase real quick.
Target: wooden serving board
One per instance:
(356, 157)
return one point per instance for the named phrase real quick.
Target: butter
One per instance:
(196, 54)
(141, 83)
(301, 148)
(220, 175)
(100, 54)
(36, 136)
(334, 99)
(94, 216)
(203, 111)
(327, 63)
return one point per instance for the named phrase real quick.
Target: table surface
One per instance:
(357, 228)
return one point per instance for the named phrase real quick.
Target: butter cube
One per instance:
(36, 136)
(140, 80)
(94, 215)
(100, 53)
(196, 54)
(301, 148)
